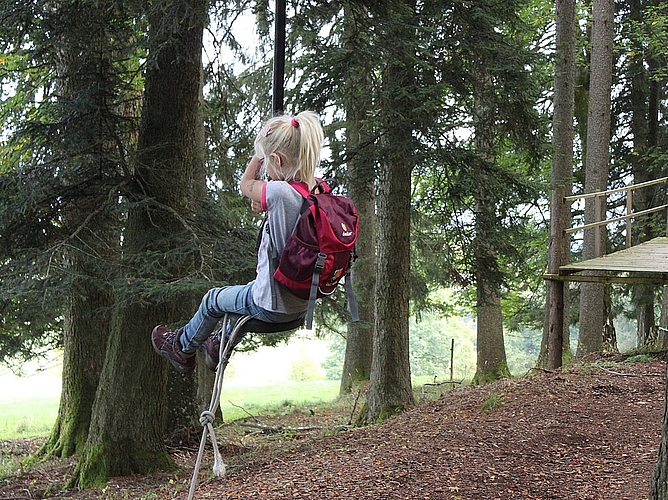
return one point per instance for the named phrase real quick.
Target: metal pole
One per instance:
(279, 58)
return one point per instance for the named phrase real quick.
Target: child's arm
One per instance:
(250, 184)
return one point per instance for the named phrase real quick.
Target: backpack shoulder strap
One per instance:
(313, 293)
(302, 188)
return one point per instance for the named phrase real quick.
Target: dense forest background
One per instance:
(126, 126)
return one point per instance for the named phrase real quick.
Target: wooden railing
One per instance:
(630, 214)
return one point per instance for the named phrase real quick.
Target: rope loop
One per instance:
(206, 418)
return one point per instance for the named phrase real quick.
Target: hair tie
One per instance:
(295, 123)
(267, 131)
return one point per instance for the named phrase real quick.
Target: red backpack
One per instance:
(321, 249)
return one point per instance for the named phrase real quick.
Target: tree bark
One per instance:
(658, 489)
(85, 68)
(85, 332)
(592, 306)
(491, 353)
(561, 175)
(390, 389)
(130, 410)
(644, 123)
(361, 189)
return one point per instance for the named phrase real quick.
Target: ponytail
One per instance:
(312, 137)
(297, 140)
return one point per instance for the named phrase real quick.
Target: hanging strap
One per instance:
(313, 295)
(350, 293)
(352, 302)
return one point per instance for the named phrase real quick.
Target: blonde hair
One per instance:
(296, 140)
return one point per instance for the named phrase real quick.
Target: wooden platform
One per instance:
(646, 263)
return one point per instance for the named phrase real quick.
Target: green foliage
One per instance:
(491, 374)
(493, 402)
(431, 337)
(53, 161)
(640, 358)
(430, 345)
(304, 369)
(237, 99)
(431, 341)
(55, 168)
(333, 365)
(522, 350)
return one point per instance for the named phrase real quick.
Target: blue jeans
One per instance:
(237, 299)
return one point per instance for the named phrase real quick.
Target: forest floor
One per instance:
(591, 431)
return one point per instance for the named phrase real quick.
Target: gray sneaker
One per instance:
(166, 344)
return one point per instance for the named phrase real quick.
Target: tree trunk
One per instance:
(643, 298)
(361, 189)
(643, 125)
(592, 304)
(182, 399)
(491, 361)
(658, 488)
(130, 410)
(491, 353)
(85, 332)
(390, 389)
(561, 173)
(205, 381)
(84, 69)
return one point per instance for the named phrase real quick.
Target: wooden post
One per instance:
(629, 211)
(598, 217)
(663, 318)
(452, 359)
(556, 323)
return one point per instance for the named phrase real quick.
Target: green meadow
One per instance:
(35, 417)
(272, 380)
(256, 383)
(28, 417)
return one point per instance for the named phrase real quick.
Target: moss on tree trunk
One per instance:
(118, 458)
(129, 414)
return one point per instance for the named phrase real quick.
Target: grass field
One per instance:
(29, 403)
(257, 382)
(35, 416)
(27, 418)
(31, 417)
(237, 402)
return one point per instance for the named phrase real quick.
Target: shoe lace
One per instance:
(172, 337)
